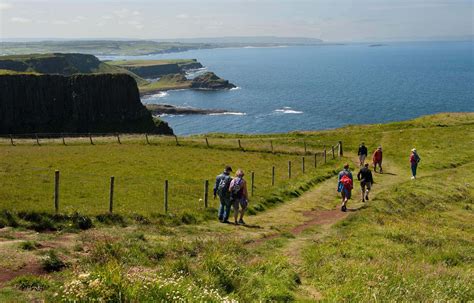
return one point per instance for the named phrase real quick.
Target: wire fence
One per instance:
(73, 190)
(268, 145)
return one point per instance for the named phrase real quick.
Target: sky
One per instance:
(330, 20)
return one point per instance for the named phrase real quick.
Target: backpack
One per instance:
(223, 187)
(347, 182)
(417, 158)
(237, 188)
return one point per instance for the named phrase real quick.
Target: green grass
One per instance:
(27, 179)
(137, 63)
(167, 82)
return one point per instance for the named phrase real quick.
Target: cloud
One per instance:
(59, 22)
(182, 16)
(5, 6)
(20, 20)
(136, 24)
(136, 13)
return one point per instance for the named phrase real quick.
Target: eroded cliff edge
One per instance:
(75, 104)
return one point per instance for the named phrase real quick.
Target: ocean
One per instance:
(319, 87)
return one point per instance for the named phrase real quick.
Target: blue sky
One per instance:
(330, 20)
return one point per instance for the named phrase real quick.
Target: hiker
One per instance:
(414, 160)
(362, 153)
(239, 196)
(221, 189)
(344, 185)
(377, 159)
(366, 180)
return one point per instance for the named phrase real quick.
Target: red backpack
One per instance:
(347, 182)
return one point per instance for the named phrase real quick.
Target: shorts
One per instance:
(243, 203)
(346, 193)
(362, 158)
(363, 185)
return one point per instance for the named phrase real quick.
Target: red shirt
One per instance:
(377, 156)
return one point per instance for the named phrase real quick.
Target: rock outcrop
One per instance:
(75, 104)
(210, 81)
(152, 71)
(160, 109)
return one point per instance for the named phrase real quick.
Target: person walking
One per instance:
(377, 159)
(239, 196)
(414, 160)
(345, 185)
(366, 180)
(362, 153)
(221, 189)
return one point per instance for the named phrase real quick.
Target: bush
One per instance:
(29, 245)
(52, 262)
(30, 282)
(81, 222)
(9, 219)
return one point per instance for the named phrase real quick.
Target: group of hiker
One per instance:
(232, 192)
(345, 178)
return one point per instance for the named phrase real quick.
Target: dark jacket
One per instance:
(362, 150)
(365, 175)
(219, 178)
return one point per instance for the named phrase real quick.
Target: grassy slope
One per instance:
(150, 62)
(413, 241)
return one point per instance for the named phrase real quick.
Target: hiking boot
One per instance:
(367, 197)
(363, 200)
(226, 221)
(344, 208)
(241, 222)
(236, 222)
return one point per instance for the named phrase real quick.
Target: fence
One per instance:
(270, 145)
(126, 192)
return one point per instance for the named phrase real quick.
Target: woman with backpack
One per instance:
(377, 159)
(239, 196)
(414, 160)
(345, 185)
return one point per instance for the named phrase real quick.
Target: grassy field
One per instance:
(413, 241)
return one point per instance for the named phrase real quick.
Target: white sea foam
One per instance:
(228, 113)
(156, 96)
(287, 110)
(236, 88)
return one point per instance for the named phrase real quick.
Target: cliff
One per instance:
(210, 81)
(76, 104)
(151, 69)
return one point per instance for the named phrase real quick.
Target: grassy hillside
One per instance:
(151, 62)
(411, 242)
(63, 64)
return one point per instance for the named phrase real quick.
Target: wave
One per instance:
(156, 96)
(287, 110)
(236, 88)
(228, 113)
(192, 73)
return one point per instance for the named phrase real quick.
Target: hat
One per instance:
(228, 168)
(413, 149)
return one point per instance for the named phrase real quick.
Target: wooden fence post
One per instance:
(11, 140)
(111, 194)
(176, 138)
(240, 146)
(340, 149)
(305, 150)
(56, 191)
(271, 145)
(332, 152)
(90, 138)
(206, 193)
(118, 138)
(166, 196)
(252, 184)
(302, 164)
(289, 169)
(315, 160)
(324, 155)
(37, 140)
(207, 143)
(146, 138)
(273, 175)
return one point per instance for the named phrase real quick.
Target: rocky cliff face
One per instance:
(210, 81)
(77, 104)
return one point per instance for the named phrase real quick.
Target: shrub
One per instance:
(52, 262)
(81, 221)
(30, 282)
(9, 219)
(29, 245)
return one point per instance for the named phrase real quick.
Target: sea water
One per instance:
(310, 88)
